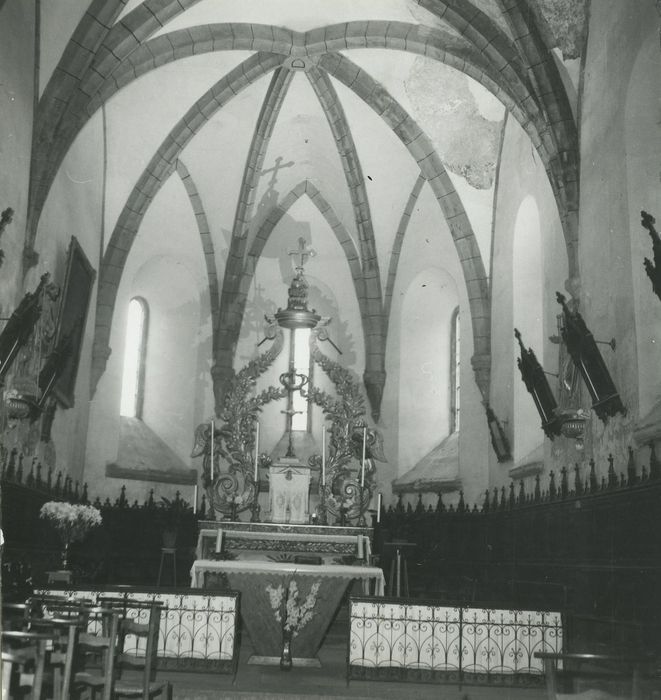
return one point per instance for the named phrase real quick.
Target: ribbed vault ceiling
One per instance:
(258, 103)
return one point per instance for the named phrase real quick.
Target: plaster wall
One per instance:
(16, 113)
(642, 159)
(610, 204)
(73, 208)
(166, 269)
(521, 175)
(420, 424)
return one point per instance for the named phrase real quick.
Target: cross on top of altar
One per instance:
(303, 251)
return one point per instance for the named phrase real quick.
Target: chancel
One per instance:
(330, 341)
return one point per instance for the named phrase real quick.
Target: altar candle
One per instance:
(195, 499)
(219, 541)
(378, 507)
(323, 455)
(212, 446)
(256, 451)
(362, 471)
(360, 546)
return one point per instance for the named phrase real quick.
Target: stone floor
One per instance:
(328, 681)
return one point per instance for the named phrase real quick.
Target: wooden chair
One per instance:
(15, 616)
(140, 622)
(64, 634)
(95, 654)
(23, 662)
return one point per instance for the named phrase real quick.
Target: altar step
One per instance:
(240, 695)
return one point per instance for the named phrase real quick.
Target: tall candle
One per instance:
(323, 455)
(257, 452)
(212, 447)
(219, 541)
(360, 546)
(378, 507)
(362, 472)
(195, 499)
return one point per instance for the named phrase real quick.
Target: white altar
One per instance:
(289, 492)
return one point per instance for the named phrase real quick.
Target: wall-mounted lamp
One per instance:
(585, 354)
(499, 441)
(537, 384)
(653, 269)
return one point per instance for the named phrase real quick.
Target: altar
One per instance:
(297, 573)
(288, 527)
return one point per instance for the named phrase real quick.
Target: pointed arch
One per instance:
(420, 147)
(494, 66)
(149, 183)
(206, 240)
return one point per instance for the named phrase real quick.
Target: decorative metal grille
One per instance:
(198, 631)
(427, 642)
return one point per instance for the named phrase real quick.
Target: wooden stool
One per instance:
(62, 576)
(170, 552)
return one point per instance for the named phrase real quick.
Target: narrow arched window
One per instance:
(135, 351)
(455, 374)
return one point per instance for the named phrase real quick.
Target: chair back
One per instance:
(23, 662)
(64, 634)
(15, 616)
(138, 639)
(96, 653)
(138, 632)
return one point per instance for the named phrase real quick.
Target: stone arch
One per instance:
(98, 43)
(496, 72)
(418, 144)
(207, 242)
(230, 332)
(161, 166)
(397, 246)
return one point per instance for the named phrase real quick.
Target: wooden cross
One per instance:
(278, 165)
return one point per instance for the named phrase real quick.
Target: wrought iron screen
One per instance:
(396, 640)
(198, 630)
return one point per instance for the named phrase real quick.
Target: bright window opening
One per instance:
(134, 359)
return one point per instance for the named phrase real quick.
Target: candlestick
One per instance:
(212, 448)
(362, 473)
(378, 507)
(195, 500)
(257, 452)
(323, 455)
(219, 541)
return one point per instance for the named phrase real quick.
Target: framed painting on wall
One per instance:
(76, 291)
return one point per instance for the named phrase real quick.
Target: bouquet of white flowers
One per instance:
(71, 521)
(293, 615)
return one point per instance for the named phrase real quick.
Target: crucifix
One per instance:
(292, 381)
(290, 413)
(303, 251)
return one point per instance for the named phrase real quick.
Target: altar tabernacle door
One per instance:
(289, 487)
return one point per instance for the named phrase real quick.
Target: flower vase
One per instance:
(286, 658)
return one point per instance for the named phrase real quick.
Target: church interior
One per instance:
(333, 328)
